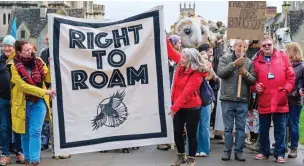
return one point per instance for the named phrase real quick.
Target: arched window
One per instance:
(9, 17)
(4, 19)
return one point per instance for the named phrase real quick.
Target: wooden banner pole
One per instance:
(240, 76)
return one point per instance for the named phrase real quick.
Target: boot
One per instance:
(293, 153)
(5, 160)
(239, 157)
(27, 163)
(19, 158)
(255, 147)
(35, 163)
(226, 156)
(190, 161)
(65, 156)
(181, 159)
(163, 147)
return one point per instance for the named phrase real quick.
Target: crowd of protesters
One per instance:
(274, 77)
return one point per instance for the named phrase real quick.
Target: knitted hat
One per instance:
(9, 40)
(174, 38)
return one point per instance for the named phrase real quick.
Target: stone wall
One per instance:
(3, 28)
(296, 24)
(40, 39)
(299, 36)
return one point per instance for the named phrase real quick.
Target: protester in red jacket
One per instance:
(275, 79)
(186, 101)
(295, 99)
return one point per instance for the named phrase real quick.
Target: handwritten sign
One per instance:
(246, 20)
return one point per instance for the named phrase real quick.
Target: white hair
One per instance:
(234, 42)
(195, 60)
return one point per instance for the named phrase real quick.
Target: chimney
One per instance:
(43, 4)
(43, 11)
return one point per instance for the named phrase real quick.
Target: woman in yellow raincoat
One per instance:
(30, 99)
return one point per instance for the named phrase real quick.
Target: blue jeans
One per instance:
(6, 129)
(234, 112)
(203, 132)
(294, 116)
(279, 121)
(31, 140)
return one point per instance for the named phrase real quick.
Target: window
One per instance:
(9, 18)
(22, 34)
(4, 19)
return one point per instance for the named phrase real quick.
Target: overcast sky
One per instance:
(210, 10)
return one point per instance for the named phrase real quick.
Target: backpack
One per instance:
(206, 93)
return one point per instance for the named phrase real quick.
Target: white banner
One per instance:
(112, 83)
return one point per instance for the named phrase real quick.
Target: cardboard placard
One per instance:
(246, 20)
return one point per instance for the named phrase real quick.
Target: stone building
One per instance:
(31, 16)
(187, 11)
(184, 11)
(6, 8)
(296, 21)
(292, 16)
(271, 12)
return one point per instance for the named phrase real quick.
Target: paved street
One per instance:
(150, 156)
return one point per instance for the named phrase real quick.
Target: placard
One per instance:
(246, 20)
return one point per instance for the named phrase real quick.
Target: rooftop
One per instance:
(31, 18)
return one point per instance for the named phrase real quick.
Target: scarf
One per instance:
(31, 71)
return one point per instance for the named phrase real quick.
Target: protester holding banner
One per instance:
(47, 130)
(275, 79)
(28, 76)
(175, 40)
(186, 101)
(235, 109)
(177, 44)
(295, 100)
(5, 111)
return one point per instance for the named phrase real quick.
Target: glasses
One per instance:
(266, 45)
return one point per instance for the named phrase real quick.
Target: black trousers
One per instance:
(215, 85)
(191, 119)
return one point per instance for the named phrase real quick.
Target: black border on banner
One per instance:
(60, 108)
